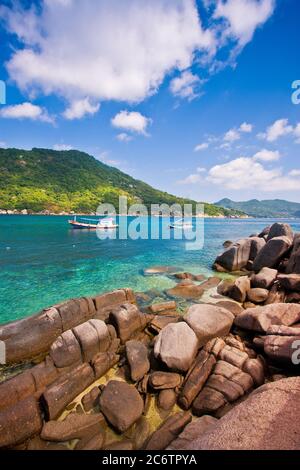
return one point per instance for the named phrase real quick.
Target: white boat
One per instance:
(180, 224)
(92, 224)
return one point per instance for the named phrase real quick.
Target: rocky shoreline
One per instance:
(209, 364)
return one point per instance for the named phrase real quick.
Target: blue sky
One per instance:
(191, 97)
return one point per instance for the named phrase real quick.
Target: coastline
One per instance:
(237, 338)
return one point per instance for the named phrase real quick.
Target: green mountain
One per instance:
(267, 208)
(42, 179)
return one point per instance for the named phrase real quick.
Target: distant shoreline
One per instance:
(221, 217)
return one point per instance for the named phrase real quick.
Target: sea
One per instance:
(43, 261)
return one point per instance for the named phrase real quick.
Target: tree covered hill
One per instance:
(47, 180)
(276, 208)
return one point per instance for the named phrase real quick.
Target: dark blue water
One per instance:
(43, 261)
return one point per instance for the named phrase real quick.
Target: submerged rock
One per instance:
(186, 290)
(157, 270)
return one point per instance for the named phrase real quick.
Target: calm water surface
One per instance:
(43, 261)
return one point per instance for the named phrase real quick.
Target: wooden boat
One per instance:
(92, 224)
(181, 224)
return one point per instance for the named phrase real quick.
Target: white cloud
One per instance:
(246, 173)
(26, 111)
(3, 145)
(105, 50)
(121, 50)
(191, 179)
(297, 133)
(186, 86)
(243, 17)
(104, 158)
(246, 127)
(194, 178)
(201, 147)
(265, 155)
(225, 146)
(123, 137)
(232, 135)
(80, 108)
(294, 173)
(131, 121)
(278, 129)
(61, 147)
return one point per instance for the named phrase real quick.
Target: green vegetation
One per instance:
(47, 180)
(276, 208)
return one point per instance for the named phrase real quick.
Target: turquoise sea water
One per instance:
(43, 261)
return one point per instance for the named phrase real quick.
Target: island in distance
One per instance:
(274, 208)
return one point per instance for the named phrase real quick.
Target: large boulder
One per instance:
(121, 404)
(257, 295)
(271, 254)
(81, 344)
(257, 243)
(176, 346)
(137, 356)
(164, 380)
(277, 295)
(28, 383)
(280, 230)
(20, 422)
(235, 257)
(66, 350)
(238, 291)
(268, 420)
(293, 265)
(264, 279)
(208, 321)
(128, 321)
(168, 431)
(102, 362)
(283, 347)
(261, 318)
(191, 432)
(61, 392)
(290, 282)
(166, 399)
(30, 337)
(75, 426)
(196, 377)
